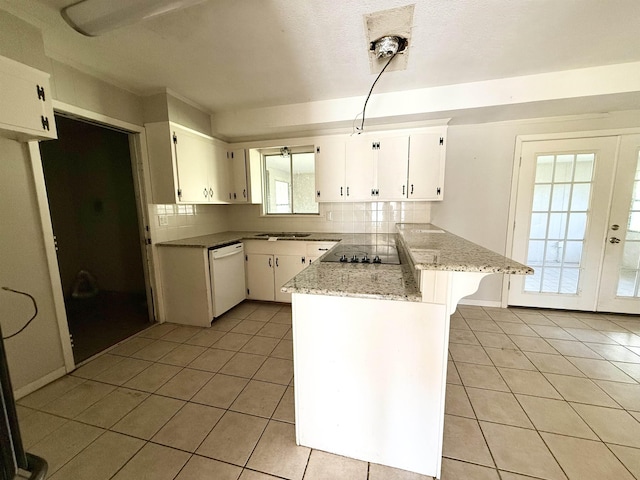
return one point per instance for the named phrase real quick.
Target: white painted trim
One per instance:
(41, 382)
(480, 303)
(535, 137)
(50, 254)
(96, 117)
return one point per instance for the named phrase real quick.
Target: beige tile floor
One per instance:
(531, 394)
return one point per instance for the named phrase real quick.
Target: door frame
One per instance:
(515, 176)
(142, 186)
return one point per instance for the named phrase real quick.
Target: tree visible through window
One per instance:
(290, 182)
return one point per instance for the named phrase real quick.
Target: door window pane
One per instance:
(559, 215)
(630, 265)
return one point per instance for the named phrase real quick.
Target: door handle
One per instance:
(614, 240)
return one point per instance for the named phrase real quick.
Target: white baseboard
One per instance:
(41, 382)
(480, 303)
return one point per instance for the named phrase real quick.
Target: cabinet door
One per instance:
(192, 154)
(392, 162)
(26, 111)
(287, 267)
(330, 186)
(426, 166)
(218, 176)
(238, 177)
(259, 270)
(360, 169)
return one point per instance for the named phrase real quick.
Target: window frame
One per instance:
(276, 151)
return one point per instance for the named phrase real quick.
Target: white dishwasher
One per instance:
(226, 268)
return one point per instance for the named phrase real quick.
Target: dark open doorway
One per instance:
(91, 194)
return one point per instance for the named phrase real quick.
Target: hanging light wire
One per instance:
(360, 129)
(35, 314)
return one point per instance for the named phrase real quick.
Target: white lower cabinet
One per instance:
(269, 265)
(260, 276)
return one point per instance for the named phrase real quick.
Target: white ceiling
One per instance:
(227, 55)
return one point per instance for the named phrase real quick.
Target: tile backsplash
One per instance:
(173, 222)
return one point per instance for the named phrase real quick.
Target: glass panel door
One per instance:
(620, 284)
(561, 214)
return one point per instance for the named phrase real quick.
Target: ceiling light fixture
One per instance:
(95, 17)
(385, 47)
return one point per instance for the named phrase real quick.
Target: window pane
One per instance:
(557, 225)
(551, 280)
(541, 196)
(532, 282)
(536, 252)
(577, 226)
(560, 199)
(538, 225)
(278, 172)
(584, 167)
(580, 197)
(569, 281)
(544, 168)
(564, 168)
(304, 198)
(573, 253)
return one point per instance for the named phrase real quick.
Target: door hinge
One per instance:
(45, 122)
(40, 91)
(175, 139)
(441, 140)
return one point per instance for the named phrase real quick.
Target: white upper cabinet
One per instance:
(26, 109)
(330, 170)
(238, 188)
(185, 166)
(360, 168)
(391, 159)
(426, 165)
(384, 166)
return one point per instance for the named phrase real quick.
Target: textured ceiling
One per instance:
(237, 54)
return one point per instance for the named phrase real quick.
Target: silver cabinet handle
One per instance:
(211, 192)
(205, 193)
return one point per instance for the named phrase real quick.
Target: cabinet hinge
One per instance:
(246, 259)
(179, 192)
(509, 285)
(318, 193)
(441, 140)
(231, 155)
(375, 145)
(147, 241)
(520, 163)
(40, 91)
(175, 139)
(248, 292)
(317, 149)
(45, 122)
(438, 191)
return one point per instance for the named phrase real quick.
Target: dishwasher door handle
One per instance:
(234, 252)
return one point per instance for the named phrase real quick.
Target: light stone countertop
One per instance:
(420, 246)
(432, 248)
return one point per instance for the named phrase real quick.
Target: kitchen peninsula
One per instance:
(370, 347)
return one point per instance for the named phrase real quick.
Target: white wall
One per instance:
(37, 351)
(479, 169)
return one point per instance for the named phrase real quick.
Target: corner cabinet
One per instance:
(385, 166)
(185, 166)
(26, 108)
